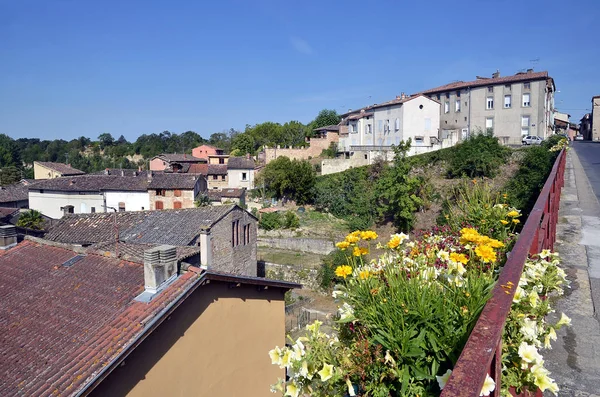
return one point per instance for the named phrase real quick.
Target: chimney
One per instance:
(398, 97)
(106, 171)
(496, 75)
(122, 172)
(248, 156)
(149, 173)
(402, 96)
(529, 71)
(205, 251)
(140, 168)
(8, 237)
(160, 267)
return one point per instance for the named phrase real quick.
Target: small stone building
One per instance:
(174, 191)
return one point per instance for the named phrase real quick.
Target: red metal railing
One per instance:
(483, 352)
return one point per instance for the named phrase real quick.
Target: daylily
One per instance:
(326, 372)
(442, 380)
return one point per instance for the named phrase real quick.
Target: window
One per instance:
(158, 205)
(489, 122)
(489, 104)
(465, 118)
(222, 177)
(418, 139)
(458, 94)
(93, 210)
(380, 125)
(244, 176)
(457, 106)
(526, 86)
(160, 192)
(427, 124)
(177, 204)
(447, 95)
(248, 233)
(490, 89)
(524, 132)
(177, 193)
(221, 161)
(507, 87)
(215, 177)
(387, 125)
(438, 97)
(446, 107)
(397, 126)
(121, 206)
(369, 131)
(366, 157)
(524, 121)
(526, 100)
(233, 234)
(507, 101)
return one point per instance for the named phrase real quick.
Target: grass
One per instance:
(315, 223)
(286, 257)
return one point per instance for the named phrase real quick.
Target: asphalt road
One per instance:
(589, 155)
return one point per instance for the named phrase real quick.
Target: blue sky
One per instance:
(71, 67)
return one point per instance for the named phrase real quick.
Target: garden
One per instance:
(406, 313)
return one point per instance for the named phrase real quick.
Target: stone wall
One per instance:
(306, 276)
(312, 245)
(240, 259)
(317, 145)
(186, 199)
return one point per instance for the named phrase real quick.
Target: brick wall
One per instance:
(240, 259)
(186, 199)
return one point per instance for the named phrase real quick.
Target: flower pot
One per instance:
(525, 393)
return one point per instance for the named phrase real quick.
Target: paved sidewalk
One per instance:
(575, 358)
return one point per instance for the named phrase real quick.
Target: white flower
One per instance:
(529, 330)
(443, 255)
(326, 372)
(298, 350)
(292, 390)
(529, 353)
(346, 312)
(275, 355)
(519, 294)
(286, 358)
(547, 344)
(552, 333)
(389, 358)
(350, 388)
(314, 327)
(456, 280)
(304, 370)
(533, 299)
(442, 380)
(337, 294)
(488, 386)
(564, 320)
(544, 382)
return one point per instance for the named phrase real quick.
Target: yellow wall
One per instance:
(215, 344)
(41, 172)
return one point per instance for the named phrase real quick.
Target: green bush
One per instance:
(270, 221)
(524, 188)
(254, 212)
(291, 220)
(326, 274)
(479, 156)
(551, 141)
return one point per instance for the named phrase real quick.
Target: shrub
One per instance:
(270, 221)
(479, 156)
(326, 274)
(291, 220)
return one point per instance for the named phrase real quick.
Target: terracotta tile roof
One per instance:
(174, 227)
(60, 325)
(360, 115)
(64, 169)
(173, 181)
(15, 192)
(198, 169)
(240, 163)
(179, 158)
(93, 183)
(519, 77)
(217, 169)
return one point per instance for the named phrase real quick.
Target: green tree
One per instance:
(105, 140)
(31, 219)
(324, 118)
(9, 153)
(293, 133)
(288, 179)
(396, 190)
(243, 143)
(9, 175)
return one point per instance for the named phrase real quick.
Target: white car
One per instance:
(532, 140)
(579, 137)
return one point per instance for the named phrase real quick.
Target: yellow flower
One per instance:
(474, 181)
(364, 274)
(469, 238)
(495, 243)
(505, 195)
(516, 221)
(360, 251)
(343, 245)
(513, 214)
(368, 235)
(351, 238)
(468, 230)
(462, 258)
(343, 271)
(326, 372)
(486, 253)
(504, 222)
(396, 240)
(292, 390)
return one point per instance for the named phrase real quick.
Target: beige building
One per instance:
(49, 170)
(149, 326)
(512, 106)
(595, 135)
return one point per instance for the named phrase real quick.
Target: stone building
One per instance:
(512, 106)
(226, 234)
(585, 126)
(595, 136)
(175, 191)
(174, 162)
(322, 140)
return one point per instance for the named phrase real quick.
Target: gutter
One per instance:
(148, 329)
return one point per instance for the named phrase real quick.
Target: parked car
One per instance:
(579, 137)
(532, 140)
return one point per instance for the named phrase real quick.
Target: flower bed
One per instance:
(405, 316)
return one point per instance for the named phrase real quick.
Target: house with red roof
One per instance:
(76, 321)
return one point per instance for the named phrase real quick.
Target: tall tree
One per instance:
(324, 118)
(105, 140)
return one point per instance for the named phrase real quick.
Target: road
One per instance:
(589, 155)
